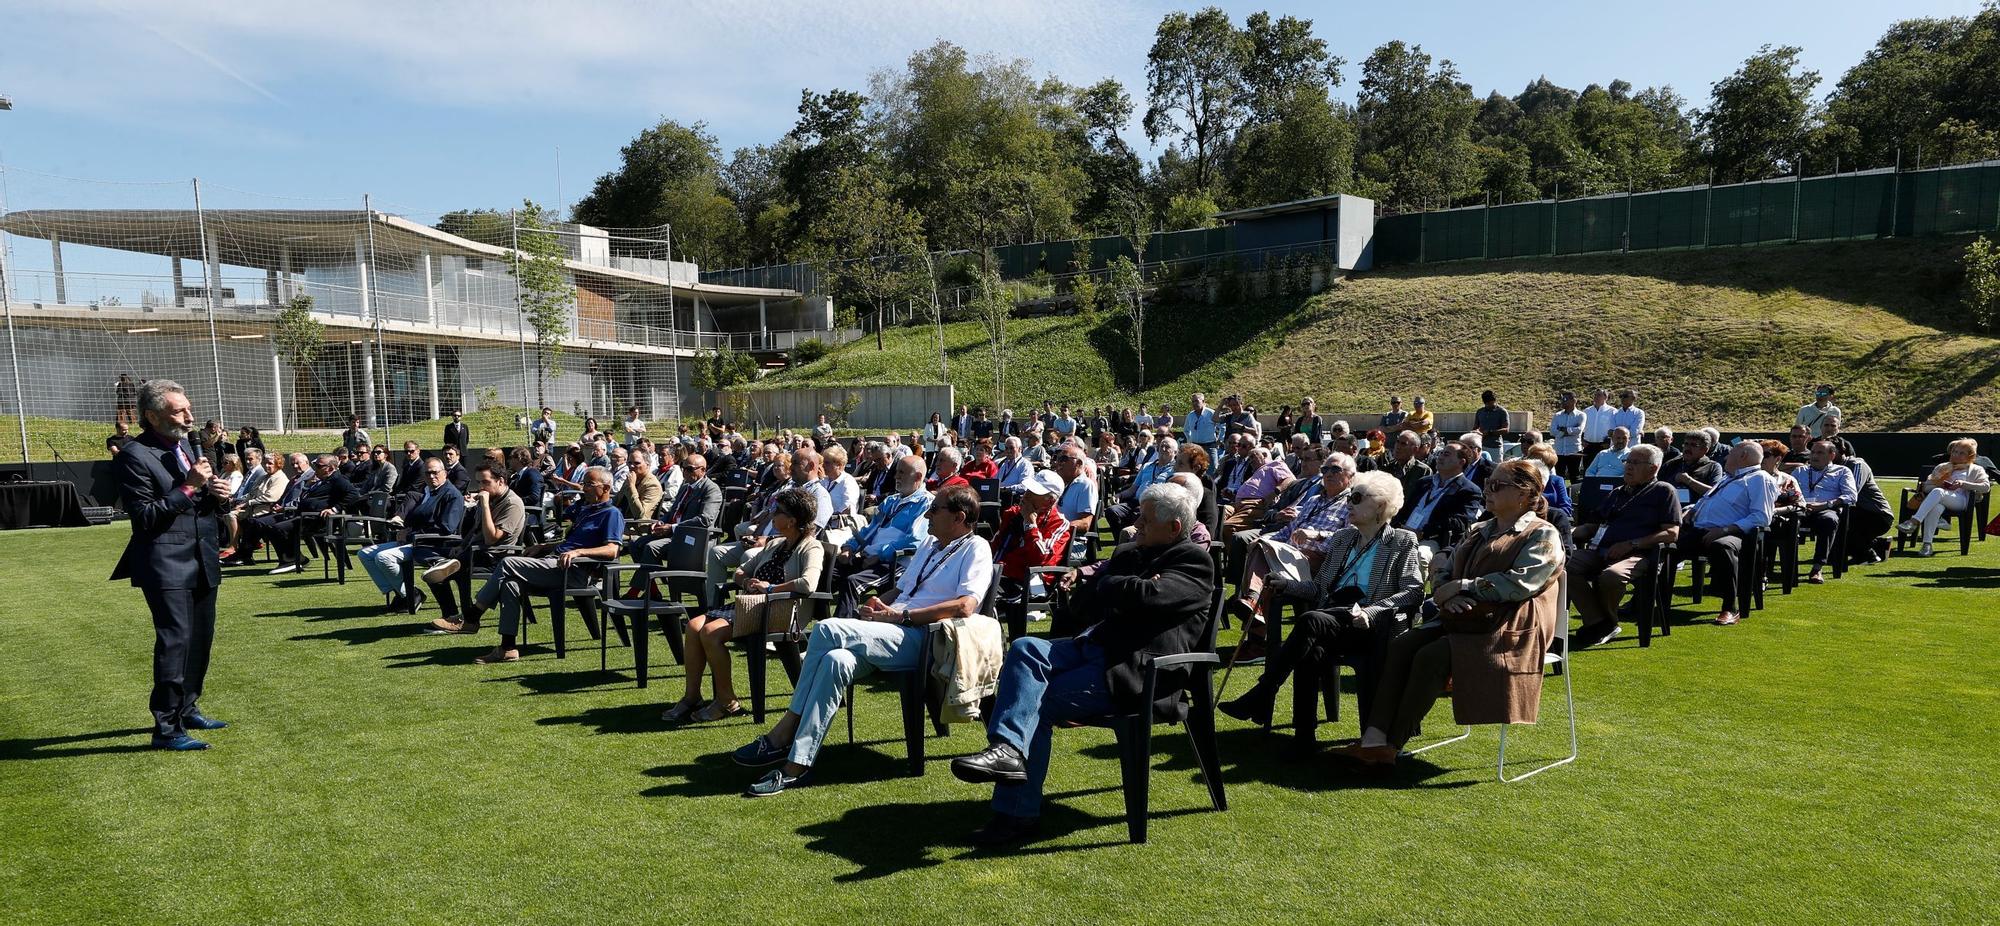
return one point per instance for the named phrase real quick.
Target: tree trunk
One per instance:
(878, 326)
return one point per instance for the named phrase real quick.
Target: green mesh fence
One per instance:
(1875, 204)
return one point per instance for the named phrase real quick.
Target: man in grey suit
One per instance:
(172, 498)
(696, 506)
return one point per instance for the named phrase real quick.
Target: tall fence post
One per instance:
(1896, 192)
(1708, 208)
(7, 305)
(1555, 218)
(212, 276)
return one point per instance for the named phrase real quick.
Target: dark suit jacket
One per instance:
(457, 435)
(412, 474)
(332, 492)
(445, 515)
(1153, 601)
(698, 504)
(456, 475)
(174, 535)
(1455, 512)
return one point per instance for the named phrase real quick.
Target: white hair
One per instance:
(1647, 454)
(1344, 461)
(1172, 503)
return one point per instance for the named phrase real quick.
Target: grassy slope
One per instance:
(1827, 761)
(1724, 337)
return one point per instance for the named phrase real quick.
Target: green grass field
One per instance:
(1829, 760)
(1732, 337)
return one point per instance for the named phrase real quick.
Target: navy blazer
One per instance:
(174, 535)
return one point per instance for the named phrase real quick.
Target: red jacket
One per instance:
(1019, 545)
(957, 479)
(980, 469)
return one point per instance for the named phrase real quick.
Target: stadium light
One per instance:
(140, 330)
(244, 337)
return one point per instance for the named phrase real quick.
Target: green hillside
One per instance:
(1732, 338)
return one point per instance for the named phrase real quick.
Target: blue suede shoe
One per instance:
(200, 721)
(181, 743)
(777, 783)
(760, 753)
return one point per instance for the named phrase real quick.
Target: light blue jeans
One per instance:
(384, 562)
(1043, 683)
(840, 651)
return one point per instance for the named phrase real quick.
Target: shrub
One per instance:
(1982, 284)
(809, 350)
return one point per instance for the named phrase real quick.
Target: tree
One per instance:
(669, 175)
(486, 226)
(1982, 284)
(1415, 128)
(829, 137)
(1284, 58)
(1126, 286)
(867, 244)
(547, 294)
(1194, 85)
(1306, 150)
(990, 298)
(722, 368)
(1191, 210)
(298, 336)
(1755, 124)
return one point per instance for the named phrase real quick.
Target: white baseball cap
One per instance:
(1044, 482)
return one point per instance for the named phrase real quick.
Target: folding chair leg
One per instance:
(912, 698)
(753, 649)
(558, 615)
(1445, 742)
(1569, 696)
(1201, 731)
(639, 647)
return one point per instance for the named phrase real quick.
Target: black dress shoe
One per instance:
(416, 601)
(399, 605)
(999, 762)
(1250, 708)
(1006, 830)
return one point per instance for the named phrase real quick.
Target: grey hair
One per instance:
(1172, 503)
(1714, 436)
(1379, 484)
(153, 394)
(1340, 426)
(1344, 461)
(951, 453)
(599, 472)
(1648, 454)
(1188, 481)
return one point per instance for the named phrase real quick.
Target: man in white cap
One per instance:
(1033, 533)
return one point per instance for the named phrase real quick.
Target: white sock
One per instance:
(1373, 736)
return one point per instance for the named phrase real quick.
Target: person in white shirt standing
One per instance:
(1566, 429)
(1597, 426)
(1629, 415)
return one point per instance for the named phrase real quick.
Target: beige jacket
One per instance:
(267, 494)
(965, 659)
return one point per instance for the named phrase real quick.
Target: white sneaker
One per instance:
(1907, 527)
(444, 569)
(285, 569)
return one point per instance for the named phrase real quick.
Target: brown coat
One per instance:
(1496, 676)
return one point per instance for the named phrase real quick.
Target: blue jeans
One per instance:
(839, 651)
(384, 563)
(1043, 683)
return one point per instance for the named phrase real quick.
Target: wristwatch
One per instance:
(903, 618)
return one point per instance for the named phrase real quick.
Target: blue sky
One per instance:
(437, 105)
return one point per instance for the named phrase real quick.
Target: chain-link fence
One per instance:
(109, 284)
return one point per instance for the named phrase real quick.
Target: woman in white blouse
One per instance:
(1949, 488)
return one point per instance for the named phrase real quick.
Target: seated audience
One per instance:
(1256, 492)
(641, 491)
(1405, 461)
(790, 563)
(322, 494)
(1611, 460)
(1951, 487)
(1149, 599)
(1079, 498)
(946, 473)
(1446, 502)
(845, 493)
(1737, 505)
(1825, 487)
(1032, 533)
(948, 578)
(1302, 540)
(1360, 597)
(1693, 471)
(867, 561)
(436, 508)
(982, 465)
(495, 516)
(1497, 615)
(597, 531)
(1624, 535)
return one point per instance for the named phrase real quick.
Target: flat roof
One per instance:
(1312, 204)
(252, 237)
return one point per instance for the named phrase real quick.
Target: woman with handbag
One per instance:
(1496, 616)
(1361, 597)
(789, 562)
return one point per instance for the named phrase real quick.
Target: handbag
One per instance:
(1992, 528)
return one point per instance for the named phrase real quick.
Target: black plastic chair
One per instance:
(1749, 572)
(469, 556)
(919, 694)
(672, 611)
(582, 584)
(1970, 522)
(1134, 731)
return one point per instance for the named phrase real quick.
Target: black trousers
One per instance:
(852, 587)
(1312, 656)
(1570, 466)
(282, 533)
(1821, 525)
(1723, 556)
(183, 631)
(1864, 527)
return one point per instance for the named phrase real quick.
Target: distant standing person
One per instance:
(355, 438)
(456, 434)
(1491, 422)
(635, 427)
(172, 496)
(128, 400)
(1819, 409)
(718, 427)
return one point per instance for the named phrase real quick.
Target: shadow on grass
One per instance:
(1950, 577)
(59, 747)
(359, 636)
(348, 613)
(442, 656)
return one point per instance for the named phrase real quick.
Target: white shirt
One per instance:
(1810, 415)
(945, 572)
(1633, 420)
(845, 493)
(1597, 423)
(1568, 432)
(670, 484)
(1014, 473)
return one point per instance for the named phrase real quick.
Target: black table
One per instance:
(40, 504)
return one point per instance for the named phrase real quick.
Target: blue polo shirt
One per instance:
(593, 526)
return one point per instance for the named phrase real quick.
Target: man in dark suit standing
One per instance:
(456, 434)
(171, 495)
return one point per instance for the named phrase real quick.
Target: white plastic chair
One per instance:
(1561, 661)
